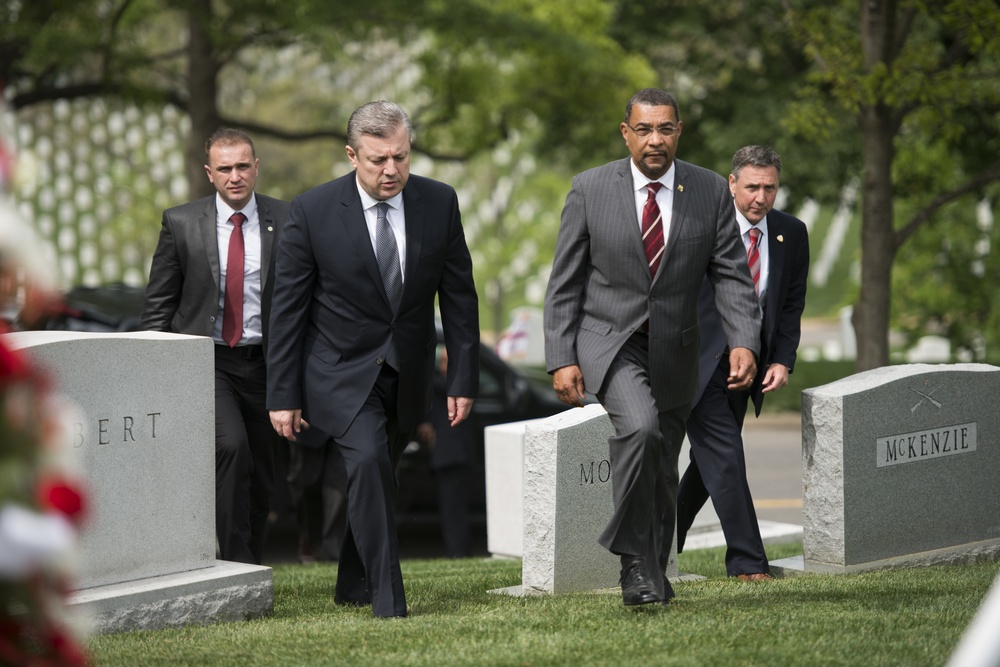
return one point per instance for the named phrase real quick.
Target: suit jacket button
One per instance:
(378, 360)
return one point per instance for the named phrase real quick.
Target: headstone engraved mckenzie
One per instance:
(145, 437)
(900, 467)
(566, 503)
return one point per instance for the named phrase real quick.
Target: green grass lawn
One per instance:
(905, 617)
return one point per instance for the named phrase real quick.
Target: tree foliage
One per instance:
(910, 79)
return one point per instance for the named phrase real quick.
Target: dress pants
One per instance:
(718, 469)
(643, 455)
(371, 448)
(245, 444)
(317, 484)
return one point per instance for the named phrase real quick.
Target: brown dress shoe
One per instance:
(757, 576)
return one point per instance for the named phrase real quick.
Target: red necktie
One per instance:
(652, 229)
(232, 308)
(753, 258)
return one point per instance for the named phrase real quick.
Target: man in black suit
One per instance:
(351, 359)
(190, 281)
(778, 254)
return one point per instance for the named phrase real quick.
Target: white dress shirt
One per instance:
(664, 197)
(761, 248)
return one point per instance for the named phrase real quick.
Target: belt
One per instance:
(247, 352)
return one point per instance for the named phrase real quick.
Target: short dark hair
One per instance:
(228, 136)
(755, 156)
(380, 118)
(653, 97)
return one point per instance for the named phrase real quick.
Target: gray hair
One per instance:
(652, 97)
(755, 156)
(377, 119)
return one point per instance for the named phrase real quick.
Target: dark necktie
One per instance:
(753, 258)
(652, 229)
(232, 309)
(387, 254)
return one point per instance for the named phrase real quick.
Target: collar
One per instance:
(225, 211)
(367, 201)
(745, 224)
(640, 180)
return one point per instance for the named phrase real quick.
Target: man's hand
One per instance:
(459, 407)
(568, 383)
(742, 368)
(288, 422)
(775, 378)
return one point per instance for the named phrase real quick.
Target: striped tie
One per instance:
(652, 229)
(753, 258)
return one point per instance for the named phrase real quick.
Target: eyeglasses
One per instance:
(645, 131)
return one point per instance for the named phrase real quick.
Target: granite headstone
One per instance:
(900, 468)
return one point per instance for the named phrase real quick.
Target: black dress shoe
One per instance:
(637, 587)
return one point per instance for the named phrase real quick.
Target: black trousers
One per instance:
(718, 469)
(372, 445)
(245, 445)
(317, 484)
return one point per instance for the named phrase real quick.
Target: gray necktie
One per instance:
(387, 254)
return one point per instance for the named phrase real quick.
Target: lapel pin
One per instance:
(781, 239)
(680, 188)
(270, 228)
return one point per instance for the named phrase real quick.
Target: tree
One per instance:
(484, 68)
(907, 75)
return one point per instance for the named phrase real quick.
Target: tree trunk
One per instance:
(203, 109)
(878, 249)
(871, 313)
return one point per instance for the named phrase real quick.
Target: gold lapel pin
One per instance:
(680, 188)
(781, 239)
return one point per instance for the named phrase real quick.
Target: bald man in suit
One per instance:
(621, 320)
(714, 429)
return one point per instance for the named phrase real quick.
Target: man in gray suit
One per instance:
(621, 319)
(190, 280)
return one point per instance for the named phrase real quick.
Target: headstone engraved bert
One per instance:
(900, 468)
(567, 501)
(145, 434)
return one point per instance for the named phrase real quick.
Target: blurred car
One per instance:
(506, 395)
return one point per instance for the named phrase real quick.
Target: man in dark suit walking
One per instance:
(621, 320)
(351, 361)
(211, 276)
(777, 246)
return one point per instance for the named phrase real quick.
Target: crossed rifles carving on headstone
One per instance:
(924, 397)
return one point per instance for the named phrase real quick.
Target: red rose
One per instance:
(61, 496)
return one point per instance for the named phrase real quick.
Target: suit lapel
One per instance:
(626, 192)
(210, 239)
(775, 266)
(678, 215)
(266, 240)
(352, 218)
(413, 209)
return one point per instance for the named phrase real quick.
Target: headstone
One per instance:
(504, 455)
(567, 502)
(145, 438)
(899, 468)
